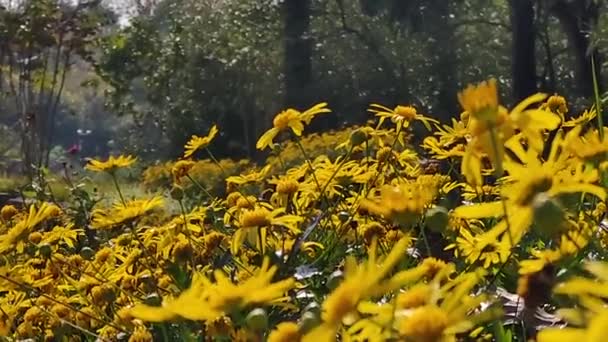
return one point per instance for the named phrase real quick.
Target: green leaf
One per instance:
(181, 277)
(502, 335)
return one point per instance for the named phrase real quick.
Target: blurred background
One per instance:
(91, 78)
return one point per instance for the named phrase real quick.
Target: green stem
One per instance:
(261, 242)
(122, 199)
(312, 169)
(598, 102)
(164, 332)
(426, 241)
(200, 186)
(224, 174)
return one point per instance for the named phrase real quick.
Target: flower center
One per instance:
(408, 113)
(282, 120)
(256, 218)
(287, 187)
(426, 324)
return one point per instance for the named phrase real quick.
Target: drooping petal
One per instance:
(266, 138)
(527, 102)
(595, 190)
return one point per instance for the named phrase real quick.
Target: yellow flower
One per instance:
(482, 247)
(531, 179)
(481, 101)
(120, 213)
(403, 203)
(196, 143)
(450, 312)
(557, 104)
(290, 119)
(251, 177)
(287, 186)
(587, 147)
(437, 309)
(180, 169)
(67, 234)
(361, 281)
(8, 211)
(141, 334)
(581, 286)
(401, 115)
(16, 235)
(253, 224)
(426, 324)
(582, 119)
(490, 126)
(207, 301)
(111, 164)
(442, 152)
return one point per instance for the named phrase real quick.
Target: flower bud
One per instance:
(343, 216)
(8, 211)
(313, 307)
(153, 299)
(549, 214)
(357, 137)
(87, 253)
(436, 219)
(45, 250)
(257, 319)
(308, 321)
(334, 279)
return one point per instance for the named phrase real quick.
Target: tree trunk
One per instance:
(523, 63)
(578, 19)
(445, 61)
(298, 53)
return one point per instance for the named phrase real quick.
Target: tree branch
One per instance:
(371, 44)
(482, 21)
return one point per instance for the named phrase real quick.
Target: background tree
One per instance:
(39, 42)
(298, 52)
(578, 20)
(171, 68)
(523, 48)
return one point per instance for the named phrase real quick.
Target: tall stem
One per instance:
(122, 199)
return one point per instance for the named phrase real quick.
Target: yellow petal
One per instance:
(527, 102)
(595, 190)
(481, 210)
(539, 119)
(152, 313)
(266, 138)
(471, 167)
(296, 127)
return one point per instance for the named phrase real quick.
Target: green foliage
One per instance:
(193, 62)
